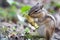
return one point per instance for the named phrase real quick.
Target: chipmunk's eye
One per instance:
(35, 11)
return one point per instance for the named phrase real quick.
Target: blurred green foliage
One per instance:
(3, 12)
(57, 5)
(12, 11)
(24, 10)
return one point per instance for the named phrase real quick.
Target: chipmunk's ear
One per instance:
(41, 6)
(37, 4)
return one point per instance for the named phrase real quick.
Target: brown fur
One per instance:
(49, 27)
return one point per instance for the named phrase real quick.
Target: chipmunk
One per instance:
(45, 20)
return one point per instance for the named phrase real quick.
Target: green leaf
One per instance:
(24, 9)
(27, 30)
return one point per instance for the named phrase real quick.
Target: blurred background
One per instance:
(12, 21)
